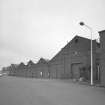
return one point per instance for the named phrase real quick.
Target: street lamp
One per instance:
(83, 24)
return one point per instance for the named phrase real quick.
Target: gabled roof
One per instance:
(69, 45)
(14, 65)
(21, 65)
(30, 63)
(42, 61)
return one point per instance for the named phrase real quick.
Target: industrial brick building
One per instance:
(73, 61)
(102, 57)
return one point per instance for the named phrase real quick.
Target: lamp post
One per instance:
(83, 24)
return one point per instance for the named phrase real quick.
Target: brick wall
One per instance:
(102, 57)
(77, 51)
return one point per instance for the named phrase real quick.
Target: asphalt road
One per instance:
(21, 91)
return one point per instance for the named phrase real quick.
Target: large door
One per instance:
(76, 70)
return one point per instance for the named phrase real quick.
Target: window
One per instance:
(75, 53)
(76, 40)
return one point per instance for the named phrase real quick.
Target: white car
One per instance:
(1, 75)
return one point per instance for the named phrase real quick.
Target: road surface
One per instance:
(21, 91)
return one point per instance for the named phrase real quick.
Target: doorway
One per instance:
(75, 70)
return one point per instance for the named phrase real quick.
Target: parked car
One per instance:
(1, 75)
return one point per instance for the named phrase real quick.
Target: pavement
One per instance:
(25, 91)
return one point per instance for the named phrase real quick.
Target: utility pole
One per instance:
(83, 24)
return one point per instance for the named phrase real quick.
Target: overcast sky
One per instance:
(30, 29)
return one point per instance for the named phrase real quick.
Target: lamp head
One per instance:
(81, 23)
